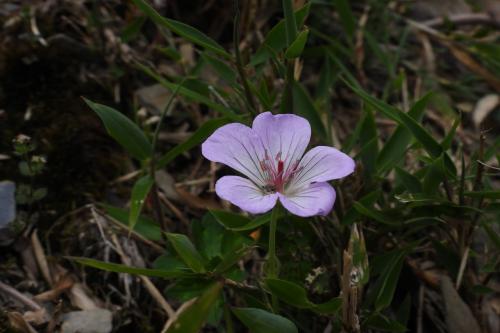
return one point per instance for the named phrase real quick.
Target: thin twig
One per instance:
(6, 289)
(463, 19)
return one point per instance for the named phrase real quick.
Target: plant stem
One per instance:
(239, 63)
(272, 259)
(272, 264)
(152, 172)
(291, 35)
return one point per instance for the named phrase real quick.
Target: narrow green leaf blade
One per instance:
(187, 251)
(182, 29)
(388, 280)
(118, 268)
(194, 140)
(237, 222)
(289, 292)
(139, 193)
(192, 319)
(261, 321)
(123, 130)
(296, 48)
(306, 108)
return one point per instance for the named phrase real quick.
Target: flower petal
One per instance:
(315, 199)
(285, 133)
(243, 193)
(321, 164)
(238, 147)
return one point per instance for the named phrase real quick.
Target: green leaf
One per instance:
(492, 234)
(237, 222)
(374, 214)
(290, 23)
(231, 258)
(132, 29)
(331, 307)
(290, 293)
(434, 176)
(188, 253)
(409, 181)
(379, 322)
(346, 16)
(123, 130)
(304, 106)
(118, 268)
(139, 193)
(484, 194)
(261, 321)
(368, 139)
(448, 140)
(275, 40)
(144, 226)
(189, 93)
(222, 69)
(192, 319)
(295, 50)
(388, 280)
(182, 29)
(428, 142)
(293, 294)
(194, 140)
(395, 148)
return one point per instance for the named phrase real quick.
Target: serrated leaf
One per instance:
(123, 130)
(261, 321)
(182, 29)
(187, 251)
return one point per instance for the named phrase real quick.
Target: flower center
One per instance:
(276, 176)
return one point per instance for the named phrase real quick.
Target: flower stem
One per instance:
(272, 268)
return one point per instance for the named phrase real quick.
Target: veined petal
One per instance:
(287, 134)
(238, 147)
(315, 199)
(243, 193)
(321, 164)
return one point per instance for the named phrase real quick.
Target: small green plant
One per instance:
(30, 166)
(406, 200)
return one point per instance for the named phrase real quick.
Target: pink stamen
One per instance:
(276, 176)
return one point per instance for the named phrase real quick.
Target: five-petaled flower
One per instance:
(271, 155)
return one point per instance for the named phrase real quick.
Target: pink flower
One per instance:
(271, 156)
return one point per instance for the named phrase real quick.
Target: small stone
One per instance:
(87, 321)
